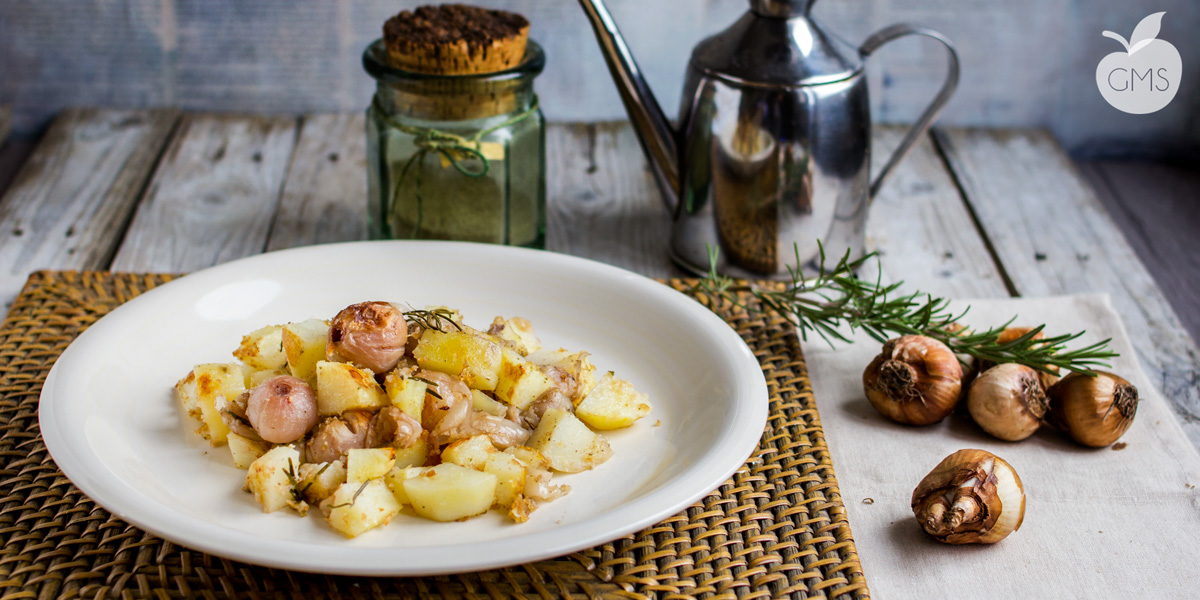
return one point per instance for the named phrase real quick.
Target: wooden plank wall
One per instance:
(1025, 62)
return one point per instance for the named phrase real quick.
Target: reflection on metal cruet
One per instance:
(771, 155)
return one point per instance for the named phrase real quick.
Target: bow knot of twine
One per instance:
(453, 148)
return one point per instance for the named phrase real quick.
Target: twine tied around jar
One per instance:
(451, 147)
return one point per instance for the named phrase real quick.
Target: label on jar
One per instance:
(489, 150)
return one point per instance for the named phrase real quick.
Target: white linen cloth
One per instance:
(1099, 523)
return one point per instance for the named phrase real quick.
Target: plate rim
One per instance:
(144, 513)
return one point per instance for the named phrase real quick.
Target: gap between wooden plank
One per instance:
(213, 197)
(979, 228)
(75, 193)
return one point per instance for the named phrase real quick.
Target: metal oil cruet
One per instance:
(771, 154)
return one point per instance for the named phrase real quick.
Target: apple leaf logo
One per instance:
(1145, 77)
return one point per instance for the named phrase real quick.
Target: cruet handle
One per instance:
(919, 128)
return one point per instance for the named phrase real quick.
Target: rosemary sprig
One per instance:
(836, 301)
(432, 319)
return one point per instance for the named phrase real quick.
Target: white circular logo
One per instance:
(1144, 78)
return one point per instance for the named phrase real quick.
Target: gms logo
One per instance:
(1144, 78)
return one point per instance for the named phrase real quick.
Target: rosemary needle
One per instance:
(837, 302)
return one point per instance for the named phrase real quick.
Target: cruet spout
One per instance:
(657, 136)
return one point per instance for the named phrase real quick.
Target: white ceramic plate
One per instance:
(110, 421)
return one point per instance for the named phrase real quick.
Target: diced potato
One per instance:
(567, 443)
(521, 382)
(414, 455)
(517, 333)
(245, 451)
(575, 364)
(359, 507)
(257, 377)
(469, 357)
(471, 452)
(612, 404)
(481, 401)
(272, 478)
(198, 393)
(510, 477)
(318, 481)
(263, 349)
(304, 346)
(368, 463)
(342, 387)
(530, 458)
(449, 492)
(395, 481)
(406, 393)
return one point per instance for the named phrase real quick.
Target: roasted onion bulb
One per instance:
(371, 335)
(971, 497)
(282, 409)
(915, 380)
(1008, 401)
(1094, 411)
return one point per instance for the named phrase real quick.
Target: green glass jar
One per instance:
(456, 157)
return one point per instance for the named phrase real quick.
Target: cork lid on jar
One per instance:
(455, 39)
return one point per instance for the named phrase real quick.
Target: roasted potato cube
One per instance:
(510, 477)
(449, 492)
(263, 349)
(304, 346)
(395, 481)
(318, 481)
(368, 463)
(414, 455)
(567, 443)
(469, 357)
(406, 393)
(575, 364)
(245, 451)
(521, 382)
(272, 478)
(516, 333)
(358, 507)
(471, 452)
(342, 387)
(612, 404)
(198, 393)
(481, 401)
(532, 459)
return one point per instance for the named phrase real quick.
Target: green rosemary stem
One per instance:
(837, 302)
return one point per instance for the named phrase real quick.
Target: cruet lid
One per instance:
(777, 43)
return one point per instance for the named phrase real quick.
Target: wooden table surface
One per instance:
(970, 213)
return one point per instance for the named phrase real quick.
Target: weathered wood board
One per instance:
(77, 191)
(5, 122)
(1029, 62)
(1157, 207)
(1053, 236)
(921, 228)
(325, 195)
(602, 202)
(214, 195)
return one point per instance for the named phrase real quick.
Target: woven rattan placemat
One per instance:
(776, 529)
